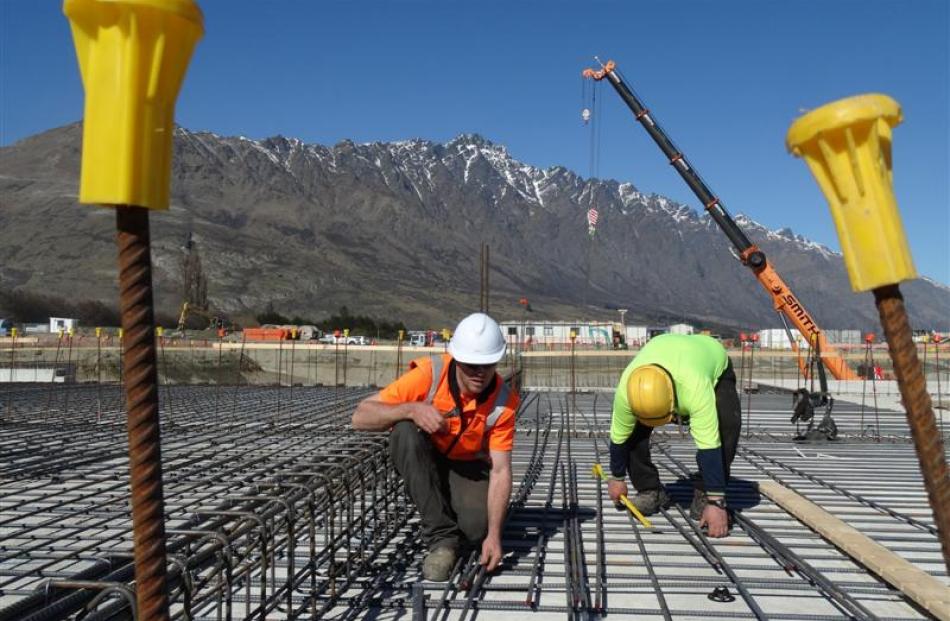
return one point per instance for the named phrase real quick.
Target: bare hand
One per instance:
(491, 553)
(427, 418)
(716, 520)
(616, 489)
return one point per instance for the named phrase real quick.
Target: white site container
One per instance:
(66, 324)
(681, 328)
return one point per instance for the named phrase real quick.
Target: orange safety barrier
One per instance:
(266, 334)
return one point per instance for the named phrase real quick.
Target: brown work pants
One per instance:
(450, 495)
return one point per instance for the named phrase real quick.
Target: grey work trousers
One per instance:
(450, 495)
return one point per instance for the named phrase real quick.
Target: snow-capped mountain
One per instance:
(393, 230)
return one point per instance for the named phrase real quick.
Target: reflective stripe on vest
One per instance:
(436, 373)
(501, 396)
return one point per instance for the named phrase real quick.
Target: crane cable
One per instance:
(590, 115)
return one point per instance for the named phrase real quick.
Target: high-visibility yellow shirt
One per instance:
(695, 362)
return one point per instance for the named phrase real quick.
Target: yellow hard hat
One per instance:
(651, 396)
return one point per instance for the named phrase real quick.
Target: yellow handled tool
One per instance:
(599, 472)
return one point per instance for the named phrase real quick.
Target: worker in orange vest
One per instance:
(452, 425)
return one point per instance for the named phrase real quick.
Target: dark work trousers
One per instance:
(450, 495)
(644, 474)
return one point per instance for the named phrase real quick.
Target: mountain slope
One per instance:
(394, 230)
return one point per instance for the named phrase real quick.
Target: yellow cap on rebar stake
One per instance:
(132, 55)
(847, 146)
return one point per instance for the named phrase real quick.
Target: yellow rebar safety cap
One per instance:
(847, 146)
(132, 56)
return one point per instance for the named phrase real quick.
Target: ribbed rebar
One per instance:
(307, 519)
(920, 414)
(141, 390)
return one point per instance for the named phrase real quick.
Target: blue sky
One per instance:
(725, 78)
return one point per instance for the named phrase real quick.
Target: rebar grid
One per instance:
(259, 480)
(292, 515)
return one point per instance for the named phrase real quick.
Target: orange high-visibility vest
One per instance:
(473, 441)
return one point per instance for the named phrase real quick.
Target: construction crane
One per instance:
(785, 302)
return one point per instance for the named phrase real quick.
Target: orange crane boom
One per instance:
(784, 301)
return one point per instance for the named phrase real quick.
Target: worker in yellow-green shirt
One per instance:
(681, 377)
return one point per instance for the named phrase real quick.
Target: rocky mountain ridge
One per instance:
(393, 230)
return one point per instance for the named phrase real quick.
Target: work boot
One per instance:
(651, 501)
(438, 564)
(700, 500)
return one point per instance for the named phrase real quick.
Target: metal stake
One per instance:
(920, 414)
(141, 390)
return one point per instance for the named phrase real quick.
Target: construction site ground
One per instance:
(276, 509)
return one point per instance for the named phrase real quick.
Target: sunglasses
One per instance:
(476, 368)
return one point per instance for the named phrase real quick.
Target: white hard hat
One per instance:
(477, 340)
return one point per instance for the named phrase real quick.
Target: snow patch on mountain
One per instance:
(935, 283)
(419, 163)
(786, 235)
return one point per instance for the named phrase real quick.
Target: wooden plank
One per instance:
(918, 585)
